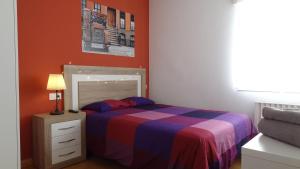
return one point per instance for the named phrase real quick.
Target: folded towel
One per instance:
(285, 132)
(286, 116)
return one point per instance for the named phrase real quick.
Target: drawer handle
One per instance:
(67, 141)
(67, 128)
(63, 155)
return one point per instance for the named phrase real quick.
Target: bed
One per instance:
(153, 136)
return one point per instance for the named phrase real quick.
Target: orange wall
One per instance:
(49, 37)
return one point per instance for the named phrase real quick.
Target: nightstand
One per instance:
(58, 140)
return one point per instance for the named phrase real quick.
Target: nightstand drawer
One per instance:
(63, 128)
(65, 154)
(67, 140)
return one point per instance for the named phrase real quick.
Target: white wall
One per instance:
(190, 55)
(9, 129)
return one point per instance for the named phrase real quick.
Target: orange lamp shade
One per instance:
(56, 82)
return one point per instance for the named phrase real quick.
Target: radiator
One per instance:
(259, 107)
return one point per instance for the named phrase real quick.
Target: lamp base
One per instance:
(56, 113)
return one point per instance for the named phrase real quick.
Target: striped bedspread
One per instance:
(168, 137)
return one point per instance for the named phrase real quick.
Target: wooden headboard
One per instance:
(87, 84)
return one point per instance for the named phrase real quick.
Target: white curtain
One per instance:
(266, 46)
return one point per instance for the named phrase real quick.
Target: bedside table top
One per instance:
(63, 117)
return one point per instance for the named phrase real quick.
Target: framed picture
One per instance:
(107, 30)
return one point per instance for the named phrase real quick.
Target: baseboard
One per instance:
(27, 164)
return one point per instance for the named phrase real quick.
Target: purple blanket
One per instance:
(168, 137)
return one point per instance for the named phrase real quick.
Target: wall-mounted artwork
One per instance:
(106, 30)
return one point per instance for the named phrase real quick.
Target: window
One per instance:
(83, 5)
(122, 20)
(265, 49)
(97, 7)
(132, 22)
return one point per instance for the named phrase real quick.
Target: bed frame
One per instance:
(87, 84)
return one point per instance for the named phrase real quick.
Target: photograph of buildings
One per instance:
(107, 30)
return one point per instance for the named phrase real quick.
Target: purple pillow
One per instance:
(106, 105)
(138, 101)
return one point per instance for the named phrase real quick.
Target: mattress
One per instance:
(168, 137)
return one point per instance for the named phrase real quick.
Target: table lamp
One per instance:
(56, 82)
